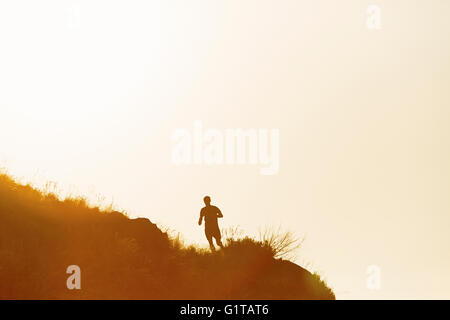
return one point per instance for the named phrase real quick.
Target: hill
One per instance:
(123, 258)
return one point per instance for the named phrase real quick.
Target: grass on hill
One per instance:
(122, 258)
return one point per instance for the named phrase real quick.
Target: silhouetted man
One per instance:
(211, 214)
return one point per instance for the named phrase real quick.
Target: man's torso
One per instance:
(210, 214)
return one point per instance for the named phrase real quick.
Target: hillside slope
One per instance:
(122, 258)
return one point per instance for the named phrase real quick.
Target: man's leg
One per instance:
(219, 242)
(211, 244)
(218, 237)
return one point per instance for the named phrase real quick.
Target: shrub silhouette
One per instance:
(122, 258)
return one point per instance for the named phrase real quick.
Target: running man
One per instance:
(211, 214)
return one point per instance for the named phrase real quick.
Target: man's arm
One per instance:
(219, 213)
(200, 220)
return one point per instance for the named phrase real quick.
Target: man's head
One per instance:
(207, 200)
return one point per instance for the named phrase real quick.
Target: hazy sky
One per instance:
(92, 91)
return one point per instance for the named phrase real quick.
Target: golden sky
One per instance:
(92, 91)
